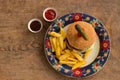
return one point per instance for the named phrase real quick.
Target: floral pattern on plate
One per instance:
(100, 60)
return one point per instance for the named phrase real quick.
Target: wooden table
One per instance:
(22, 55)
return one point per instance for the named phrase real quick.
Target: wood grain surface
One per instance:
(21, 52)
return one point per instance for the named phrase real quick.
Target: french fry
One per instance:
(87, 53)
(79, 64)
(55, 34)
(64, 44)
(63, 57)
(69, 52)
(63, 33)
(57, 42)
(54, 42)
(77, 56)
(72, 59)
(61, 42)
(62, 52)
(57, 51)
(53, 50)
(67, 62)
(71, 56)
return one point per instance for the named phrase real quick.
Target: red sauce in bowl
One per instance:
(50, 14)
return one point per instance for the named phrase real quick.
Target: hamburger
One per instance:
(80, 36)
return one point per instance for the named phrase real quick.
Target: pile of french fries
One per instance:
(65, 56)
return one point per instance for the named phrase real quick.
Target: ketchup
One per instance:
(79, 35)
(50, 14)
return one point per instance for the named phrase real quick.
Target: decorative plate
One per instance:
(99, 55)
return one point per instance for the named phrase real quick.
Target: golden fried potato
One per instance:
(57, 51)
(77, 56)
(61, 42)
(64, 57)
(72, 59)
(54, 42)
(55, 34)
(62, 52)
(67, 62)
(57, 42)
(53, 50)
(63, 33)
(64, 44)
(79, 64)
(69, 52)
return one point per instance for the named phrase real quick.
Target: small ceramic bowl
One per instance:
(50, 14)
(35, 25)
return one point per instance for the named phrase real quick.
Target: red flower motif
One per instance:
(48, 43)
(77, 17)
(96, 24)
(77, 72)
(57, 66)
(105, 44)
(79, 35)
(97, 65)
(60, 24)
